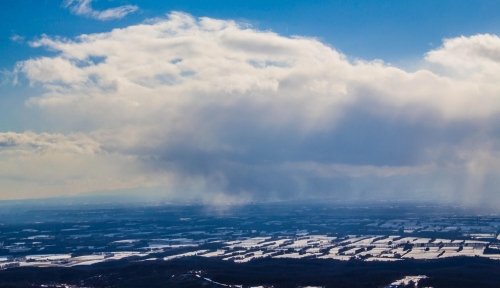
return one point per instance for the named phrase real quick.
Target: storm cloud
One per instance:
(219, 112)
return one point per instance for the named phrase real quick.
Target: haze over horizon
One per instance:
(218, 105)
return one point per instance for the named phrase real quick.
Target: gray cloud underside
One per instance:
(210, 110)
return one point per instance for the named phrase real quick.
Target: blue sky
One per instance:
(238, 101)
(389, 30)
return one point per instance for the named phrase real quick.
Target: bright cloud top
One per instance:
(84, 8)
(214, 109)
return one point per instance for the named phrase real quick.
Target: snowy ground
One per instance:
(245, 249)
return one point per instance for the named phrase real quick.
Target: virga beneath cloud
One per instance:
(212, 110)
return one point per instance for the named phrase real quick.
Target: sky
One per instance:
(231, 102)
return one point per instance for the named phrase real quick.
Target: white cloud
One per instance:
(185, 58)
(17, 38)
(215, 108)
(84, 8)
(475, 58)
(44, 165)
(77, 143)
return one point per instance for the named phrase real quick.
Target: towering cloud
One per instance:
(209, 109)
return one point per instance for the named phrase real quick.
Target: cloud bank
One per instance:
(84, 8)
(213, 111)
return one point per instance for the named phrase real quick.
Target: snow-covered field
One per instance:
(298, 246)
